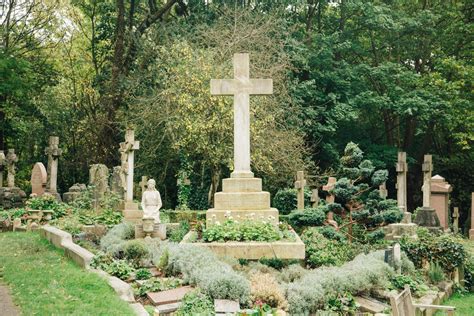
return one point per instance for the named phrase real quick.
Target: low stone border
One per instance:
(252, 250)
(83, 258)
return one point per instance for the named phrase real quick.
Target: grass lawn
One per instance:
(44, 282)
(464, 304)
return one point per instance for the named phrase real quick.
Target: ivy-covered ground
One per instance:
(44, 282)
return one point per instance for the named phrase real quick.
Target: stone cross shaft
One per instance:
(143, 183)
(241, 87)
(2, 166)
(456, 220)
(128, 147)
(330, 198)
(426, 188)
(314, 198)
(402, 169)
(300, 183)
(54, 152)
(11, 159)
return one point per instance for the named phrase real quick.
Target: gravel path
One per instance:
(7, 308)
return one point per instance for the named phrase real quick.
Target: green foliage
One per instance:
(135, 251)
(342, 304)
(321, 251)
(119, 268)
(177, 234)
(436, 273)
(156, 285)
(115, 239)
(308, 217)
(246, 230)
(49, 202)
(196, 303)
(143, 274)
(285, 200)
(400, 281)
(445, 250)
(313, 290)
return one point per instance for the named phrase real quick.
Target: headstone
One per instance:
(117, 185)
(169, 296)
(54, 152)
(314, 198)
(383, 190)
(402, 169)
(456, 220)
(225, 307)
(439, 200)
(39, 178)
(11, 159)
(242, 194)
(471, 231)
(300, 183)
(3, 162)
(393, 257)
(74, 192)
(330, 198)
(99, 178)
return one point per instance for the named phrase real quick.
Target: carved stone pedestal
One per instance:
(242, 198)
(149, 229)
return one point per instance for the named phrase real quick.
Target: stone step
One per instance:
(169, 296)
(370, 305)
(166, 308)
(242, 185)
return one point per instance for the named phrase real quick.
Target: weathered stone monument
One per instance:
(426, 215)
(439, 199)
(402, 170)
(151, 225)
(242, 194)
(11, 196)
(300, 183)
(127, 149)
(383, 190)
(330, 198)
(471, 231)
(117, 184)
(74, 192)
(39, 179)
(99, 178)
(314, 198)
(54, 152)
(456, 220)
(3, 162)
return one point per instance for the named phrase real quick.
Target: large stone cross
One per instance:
(128, 147)
(54, 152)
(402, 169)
(2, 166)
(300, 183)
(427, 168)
(143, 183)
(241, 87)
(11, 159)
(330, 198)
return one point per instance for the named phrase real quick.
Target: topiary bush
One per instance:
(285, 200)
(308, 217)
(312, 291)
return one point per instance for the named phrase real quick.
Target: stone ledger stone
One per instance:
(39, 178)
(170, 296)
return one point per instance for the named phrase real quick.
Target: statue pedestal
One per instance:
(131, 212)
(149, 229)
(242, 198)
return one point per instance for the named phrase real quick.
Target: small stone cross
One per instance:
(427, 168)
(11, 159)
(330, 198)
(128, 147)
(300, 183)
(143, 183)
(53, 152)
(2, 166)
(456, 220)
(402, 169)
(241, 87)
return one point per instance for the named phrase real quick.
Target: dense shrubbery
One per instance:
(308, 217)
(156, 285)
(200, 267)
(196, 303)
(365, 273)
(321, 251)
(246, 230)
(115, 239)
(49, 202)
(177, 234)
(446, 250)
(285, 200)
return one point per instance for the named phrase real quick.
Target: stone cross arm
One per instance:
(241, 85)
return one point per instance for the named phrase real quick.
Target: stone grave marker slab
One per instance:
(39, 178)
(169, 296)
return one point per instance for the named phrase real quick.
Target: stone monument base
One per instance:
(242, 198)
(131, 213)
(426, 217)
(397, 230)
(159, 231)
(12, 197)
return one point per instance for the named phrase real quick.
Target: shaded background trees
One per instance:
(387, 75)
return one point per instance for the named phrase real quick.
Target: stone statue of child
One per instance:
(151, 201)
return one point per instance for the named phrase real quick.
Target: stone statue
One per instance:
(151, 201)
(12, 159)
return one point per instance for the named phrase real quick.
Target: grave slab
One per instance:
(169, 296)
